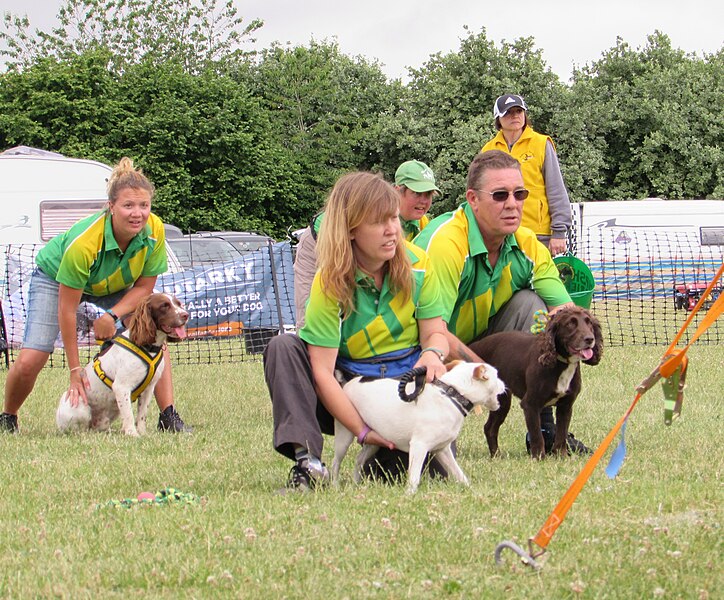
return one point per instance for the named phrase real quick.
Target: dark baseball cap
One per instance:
(504, 103)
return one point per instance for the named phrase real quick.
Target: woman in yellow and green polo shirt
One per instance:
(110, 259)
(374, 304)
(547, 210)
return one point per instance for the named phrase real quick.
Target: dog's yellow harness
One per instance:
(151, 356)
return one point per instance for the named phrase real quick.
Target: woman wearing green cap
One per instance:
(414, 181)
(547, 210)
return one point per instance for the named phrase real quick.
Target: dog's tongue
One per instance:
(180, 332)
(586, 353)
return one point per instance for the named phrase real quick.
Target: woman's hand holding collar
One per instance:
(433, 363)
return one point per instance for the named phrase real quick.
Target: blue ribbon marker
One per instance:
(616, 462)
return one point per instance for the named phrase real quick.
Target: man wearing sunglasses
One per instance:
(494, 274)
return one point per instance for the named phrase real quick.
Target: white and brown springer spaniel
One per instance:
(128, 367)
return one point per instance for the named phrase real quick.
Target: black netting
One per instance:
(645, 285)
(235, 307)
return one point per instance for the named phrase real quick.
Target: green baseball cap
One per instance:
(417, 176)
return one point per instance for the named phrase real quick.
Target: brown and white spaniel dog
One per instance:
(127, 368)
(542, 370)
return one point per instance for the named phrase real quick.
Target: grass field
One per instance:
(655, 531)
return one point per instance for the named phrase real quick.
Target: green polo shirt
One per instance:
(87, 256)
(412, 228)
(472, 291)
(382, 322)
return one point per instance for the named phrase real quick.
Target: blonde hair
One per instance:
(357, 198)
(125, 175)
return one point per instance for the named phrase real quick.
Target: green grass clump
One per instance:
(655, 531)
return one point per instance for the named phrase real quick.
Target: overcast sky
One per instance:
(403, 33)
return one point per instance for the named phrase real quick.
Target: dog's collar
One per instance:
(461, 402)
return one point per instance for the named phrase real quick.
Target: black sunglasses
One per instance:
(502, 195)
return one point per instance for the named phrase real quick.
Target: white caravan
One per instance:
(652, 228)
(651, 248)
(43, 193)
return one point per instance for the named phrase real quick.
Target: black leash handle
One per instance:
(418, 376)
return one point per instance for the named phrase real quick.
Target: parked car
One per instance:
(243, 241)
(193, 250)
(172, 231)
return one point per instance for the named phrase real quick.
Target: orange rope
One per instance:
(670, 362)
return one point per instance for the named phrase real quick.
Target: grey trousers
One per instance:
(516, 314)
(299, 416)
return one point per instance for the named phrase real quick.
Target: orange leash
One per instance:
(673, 359)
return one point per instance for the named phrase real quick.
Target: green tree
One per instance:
(196, 33)
(644, 123)
(208, 145)
(62, 106)
(323, 106)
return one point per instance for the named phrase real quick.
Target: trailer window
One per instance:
(57, 216)
(712, 236)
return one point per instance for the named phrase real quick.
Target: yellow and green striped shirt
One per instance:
(472, 291)
(382, 322)
(87, 256)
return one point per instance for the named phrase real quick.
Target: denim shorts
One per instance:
(41, 322)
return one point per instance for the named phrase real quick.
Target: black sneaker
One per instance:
(387, 466)
(549, 435)
(8, 423)
(577, 446)
(303, 477)
(169, 420)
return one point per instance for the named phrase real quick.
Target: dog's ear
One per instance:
(142, 327)
(598, 347)
(481, 372)
(548, 352)
(452, 364)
